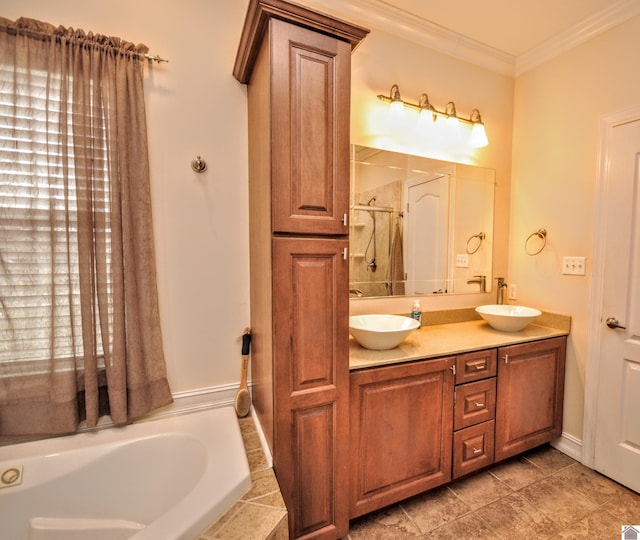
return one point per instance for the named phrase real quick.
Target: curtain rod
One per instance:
(10, 28)
(154, 58)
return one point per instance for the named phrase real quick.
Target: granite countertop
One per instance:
(450, 338)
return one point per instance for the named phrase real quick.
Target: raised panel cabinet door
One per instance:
(529, 396)
(310, 102)
(311, 383)
(401, 432)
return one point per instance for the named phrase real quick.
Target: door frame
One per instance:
(607, 123)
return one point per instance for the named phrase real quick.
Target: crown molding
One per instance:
(390, 19)
(382, 16)
(585, 30)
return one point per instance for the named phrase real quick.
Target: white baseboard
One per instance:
(263, 440)
(204, 398)
(569, 445)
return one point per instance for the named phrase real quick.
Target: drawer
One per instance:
(474, 403)
(473, 448)
(475, 366)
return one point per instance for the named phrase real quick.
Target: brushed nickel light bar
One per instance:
(478, 137)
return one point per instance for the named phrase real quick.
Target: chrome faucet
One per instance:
(357, 292)
(500, 292)
(482, 280)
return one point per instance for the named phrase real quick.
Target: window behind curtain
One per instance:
(33, 178)
(80, 334)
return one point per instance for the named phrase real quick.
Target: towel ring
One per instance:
(480, 236)
(540, 233)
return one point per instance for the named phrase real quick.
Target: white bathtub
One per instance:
(166, 479)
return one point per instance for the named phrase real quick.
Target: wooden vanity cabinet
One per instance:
(296, 63)
(415, 426)
(401, 429)
(530, 395)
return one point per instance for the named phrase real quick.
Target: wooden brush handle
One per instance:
(243, 374)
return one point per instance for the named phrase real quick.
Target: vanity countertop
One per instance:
(453, 338)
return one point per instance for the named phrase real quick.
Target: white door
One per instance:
(427, 234)
(617, 426)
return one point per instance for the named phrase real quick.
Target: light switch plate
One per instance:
(574, 266)
(462, 260)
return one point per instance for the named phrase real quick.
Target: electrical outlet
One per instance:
(513, 291)
(574, 266)
(462, 260)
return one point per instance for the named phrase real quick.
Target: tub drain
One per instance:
(11, 476)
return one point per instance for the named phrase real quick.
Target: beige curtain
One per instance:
(80, 332)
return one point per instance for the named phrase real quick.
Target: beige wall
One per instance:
(557, 111)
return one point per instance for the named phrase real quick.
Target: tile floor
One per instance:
(543, 494)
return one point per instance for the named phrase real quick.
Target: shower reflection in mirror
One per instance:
(411, 219)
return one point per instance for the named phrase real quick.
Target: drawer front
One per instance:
(474, 403)
(473, 448)
(475, 366)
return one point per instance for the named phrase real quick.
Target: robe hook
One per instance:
(199, 165)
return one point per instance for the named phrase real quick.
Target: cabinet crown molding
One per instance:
(260, 12)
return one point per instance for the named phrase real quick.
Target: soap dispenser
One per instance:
(416, 312)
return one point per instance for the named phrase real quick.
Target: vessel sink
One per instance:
(507, 318)
(381, 332)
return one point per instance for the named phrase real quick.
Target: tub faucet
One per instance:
(357, 292)
(500, 292)
(482, 280)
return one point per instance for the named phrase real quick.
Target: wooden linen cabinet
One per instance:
(296, 63)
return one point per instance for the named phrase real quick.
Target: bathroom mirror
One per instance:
(419, 226)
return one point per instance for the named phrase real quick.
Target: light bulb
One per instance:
(478, 138)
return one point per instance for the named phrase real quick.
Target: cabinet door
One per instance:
(529, 397)
(310, 103)
(311, 383)
(401, 432)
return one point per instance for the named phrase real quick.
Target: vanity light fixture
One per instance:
(395, 100)
(478, 137)
(452, 115)
(424, 105)
(478, 134)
